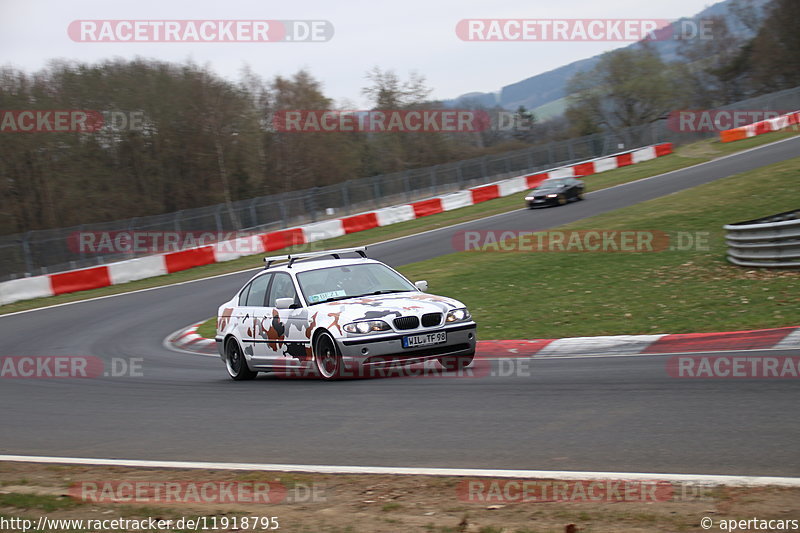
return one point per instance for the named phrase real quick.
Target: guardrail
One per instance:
(249, 244)
(771, 242)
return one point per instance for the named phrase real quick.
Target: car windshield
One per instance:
(348, 281)
(547, 185)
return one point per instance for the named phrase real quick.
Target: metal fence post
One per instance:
(282, 208)
(26, 253)
(312, 203)
(346, 196)
(81, 253)
(407, 184)
(376, 190)
(218, 219)
(254, 213)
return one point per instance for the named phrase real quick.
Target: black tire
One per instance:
(562, 199)
(454, 363)
(580, 196)
(327, 359)
(235, 362)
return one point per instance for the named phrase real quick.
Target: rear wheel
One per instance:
(235, 362)
(453, 363)
(327, 358)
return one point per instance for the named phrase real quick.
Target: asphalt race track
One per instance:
(621, 414)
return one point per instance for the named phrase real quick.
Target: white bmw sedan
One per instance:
(338, 317)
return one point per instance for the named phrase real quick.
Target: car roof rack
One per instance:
(291, 258)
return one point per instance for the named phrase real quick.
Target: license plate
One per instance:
(426, 339)
(538, 201)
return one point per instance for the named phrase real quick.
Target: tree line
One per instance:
(635, 86)
(198, 140)
(202, 140)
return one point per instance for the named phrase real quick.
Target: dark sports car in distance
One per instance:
(555, 191)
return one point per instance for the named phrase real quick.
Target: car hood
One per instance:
(387, 306)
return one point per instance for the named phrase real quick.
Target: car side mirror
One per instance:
(284, 303)
(421, 285)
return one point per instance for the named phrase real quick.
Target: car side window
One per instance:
(258, 291)
(243, 295)
(282, 287)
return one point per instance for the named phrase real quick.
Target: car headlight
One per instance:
(366, 326)
(552, 196)
(529, 198)
(457, 315)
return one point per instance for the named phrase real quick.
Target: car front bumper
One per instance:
(387, 350)
(546, 202)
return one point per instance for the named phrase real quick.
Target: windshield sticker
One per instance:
(321, 297)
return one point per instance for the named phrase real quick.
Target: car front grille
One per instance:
(406, 322)
(431, 319)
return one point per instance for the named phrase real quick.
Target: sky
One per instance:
(405, 36)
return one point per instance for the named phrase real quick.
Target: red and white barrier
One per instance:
(760, 128)
(456, 200)
(393, 215)
(607, 163)
(320, 231)
(158, 265)
(139, 268)
(25, 289)
(623, 345)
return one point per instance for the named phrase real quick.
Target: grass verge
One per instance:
(685, 156)
(208, 329)
(564, 294)
(551, 294)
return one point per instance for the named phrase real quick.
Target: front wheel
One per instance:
(581, 196)
(235, 362)
(327, 358)
(453, 363)
(562, 199)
